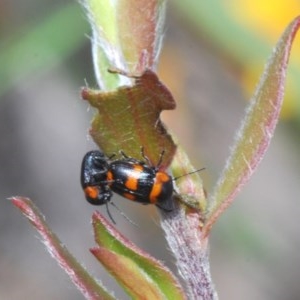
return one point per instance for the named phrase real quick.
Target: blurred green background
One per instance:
(213, 54)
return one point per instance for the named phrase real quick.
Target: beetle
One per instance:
(133, 179)
(140, 182)
(94, 169)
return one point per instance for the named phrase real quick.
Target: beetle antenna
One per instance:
(196, 171)
(145, 157)
(112, 156)
(122, 214)
(109, 214)
(123, 154)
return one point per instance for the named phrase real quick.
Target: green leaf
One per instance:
(127, 34)
(143, 19)
(142, 276)
(257, 129)
(83, 280)
(128, 119)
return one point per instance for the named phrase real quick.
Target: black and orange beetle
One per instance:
(133, 179)
(93, 178)
(138, 181)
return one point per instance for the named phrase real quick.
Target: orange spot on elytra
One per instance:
(109, 177)
(129, 196)
(91, 192)
(156, 189)
(133, 178)
(131, 183)
(160, 179)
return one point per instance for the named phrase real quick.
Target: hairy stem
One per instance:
(185, 240)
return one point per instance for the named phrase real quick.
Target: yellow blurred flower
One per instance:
(246, 31)
(267, 20)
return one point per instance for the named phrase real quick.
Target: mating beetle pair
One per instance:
(133, 179)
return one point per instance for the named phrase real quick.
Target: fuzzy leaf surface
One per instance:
(142, 276)
(257, 129)
(84, 281)
(127, 34)
(128, 119)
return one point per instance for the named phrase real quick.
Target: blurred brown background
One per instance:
(44, 60)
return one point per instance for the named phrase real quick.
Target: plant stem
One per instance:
(185, 240)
